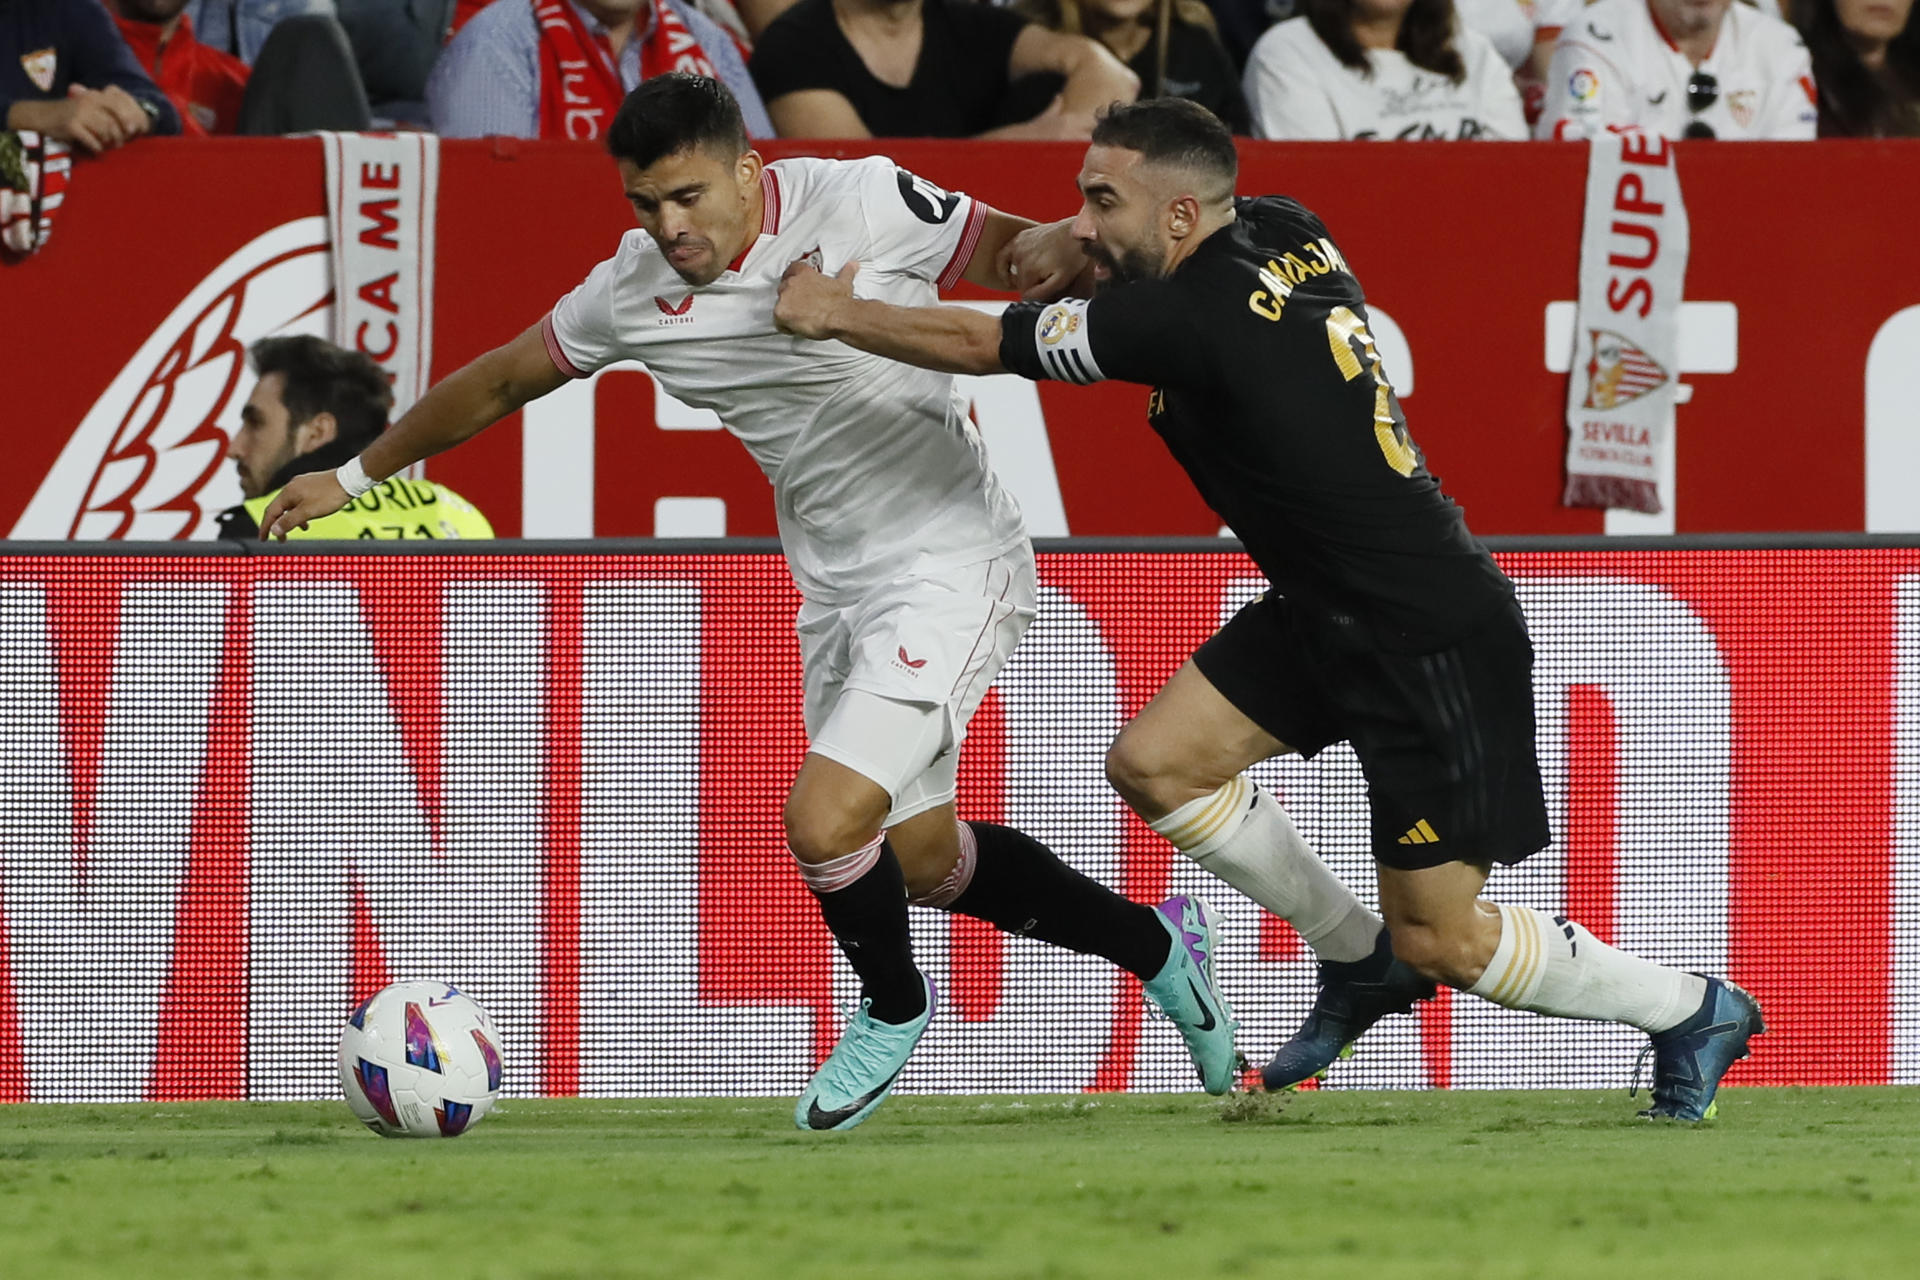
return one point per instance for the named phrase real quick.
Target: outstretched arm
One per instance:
(1137, 332)
(459, 407)
(946, 339)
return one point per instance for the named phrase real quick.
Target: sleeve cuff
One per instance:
(554, 353)
(969, 241)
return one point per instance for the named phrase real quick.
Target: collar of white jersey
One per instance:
(769, 216)
(1660, 29)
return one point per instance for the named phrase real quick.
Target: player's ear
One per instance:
(746, 170)
(1183, 215)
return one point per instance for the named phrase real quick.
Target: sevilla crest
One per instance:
(1619, 371)
(40, 66)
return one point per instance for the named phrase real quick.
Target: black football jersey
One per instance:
(1268, 389)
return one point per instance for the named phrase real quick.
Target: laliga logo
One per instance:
(149, 460)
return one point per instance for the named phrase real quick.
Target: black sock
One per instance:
(869, 921)
(1023, 887)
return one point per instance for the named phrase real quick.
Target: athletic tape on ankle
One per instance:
(837, 874)
(1198, 827)
(942, 895)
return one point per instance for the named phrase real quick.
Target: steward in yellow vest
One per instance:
(314, 407)
(393, 508)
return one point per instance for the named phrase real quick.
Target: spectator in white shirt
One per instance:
(1680, 68)
(1505, 22)
(1399, 69)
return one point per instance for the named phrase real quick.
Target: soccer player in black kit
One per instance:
(1388, 625)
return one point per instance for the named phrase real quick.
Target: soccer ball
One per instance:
(419, 1060)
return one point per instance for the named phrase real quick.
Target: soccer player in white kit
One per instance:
(913, 562)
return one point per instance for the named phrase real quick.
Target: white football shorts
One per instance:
(891, 680)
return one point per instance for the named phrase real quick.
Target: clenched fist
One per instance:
(808, 299)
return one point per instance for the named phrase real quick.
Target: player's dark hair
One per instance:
(673, 113)
(323, 378)
(1171, 131)
(1426, 36)
(1855, 102)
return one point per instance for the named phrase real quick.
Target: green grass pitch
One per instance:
(1784, 1184)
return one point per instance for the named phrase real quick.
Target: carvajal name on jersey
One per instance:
(1280, 277)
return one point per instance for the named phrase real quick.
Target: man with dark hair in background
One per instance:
(912, 561)
(1387, 626)
(316, 405)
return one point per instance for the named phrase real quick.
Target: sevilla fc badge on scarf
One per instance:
(1619, 371)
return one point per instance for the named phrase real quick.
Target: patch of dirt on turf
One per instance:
(1255, 1105)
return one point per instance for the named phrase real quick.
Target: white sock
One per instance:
(1549, 964)
(1242, 836)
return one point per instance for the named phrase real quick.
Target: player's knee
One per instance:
(1153, 781)
(821, 833)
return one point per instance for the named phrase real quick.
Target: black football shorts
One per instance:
(1445, 739)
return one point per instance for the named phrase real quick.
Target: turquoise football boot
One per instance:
(859, 1074)
(1186, 991)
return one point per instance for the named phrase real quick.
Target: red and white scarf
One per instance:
(1626, 358)
(580, 86)
(26, 211)
(383, 192)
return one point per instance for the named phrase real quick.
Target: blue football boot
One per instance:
(1688, 1060)
(1186, 991)
(859, 1074)
(1353, 996)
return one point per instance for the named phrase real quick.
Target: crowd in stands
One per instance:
(99, 73)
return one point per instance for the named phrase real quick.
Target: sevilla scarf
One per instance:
(1626, 357)
(580, 85)
(34, 170)
(383, 192)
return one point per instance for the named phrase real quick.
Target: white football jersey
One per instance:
(877, 472)
(1296, 88)
(1614, 68)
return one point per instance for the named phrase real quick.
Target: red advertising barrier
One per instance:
(244, 791)
(1800, 340)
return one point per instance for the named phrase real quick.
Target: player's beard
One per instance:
(1135, 262)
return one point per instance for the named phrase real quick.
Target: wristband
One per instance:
(353, 478)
